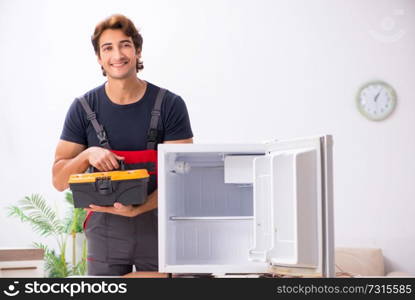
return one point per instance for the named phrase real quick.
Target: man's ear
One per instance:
(138, 53)
(99, 60)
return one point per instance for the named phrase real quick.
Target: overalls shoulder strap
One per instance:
(99, 129)
(153, 133)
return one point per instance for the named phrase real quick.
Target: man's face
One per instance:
(118, 55)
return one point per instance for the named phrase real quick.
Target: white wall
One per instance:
(248, 71)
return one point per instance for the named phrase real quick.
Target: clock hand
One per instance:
(376, 97)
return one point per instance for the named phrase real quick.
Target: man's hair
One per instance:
(127, 27)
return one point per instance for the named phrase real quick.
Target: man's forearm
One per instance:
(150, 204)
(128, 210)
(64, 168)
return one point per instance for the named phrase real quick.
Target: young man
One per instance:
(135, 115)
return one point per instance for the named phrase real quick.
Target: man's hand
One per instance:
(117, 209)
(103, 159)
(129, 210)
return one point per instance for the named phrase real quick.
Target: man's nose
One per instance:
(118, 54)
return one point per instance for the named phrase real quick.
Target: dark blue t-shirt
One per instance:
(127, 125)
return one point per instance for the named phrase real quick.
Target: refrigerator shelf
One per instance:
(230, 218)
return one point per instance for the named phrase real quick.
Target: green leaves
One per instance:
(43, 219)
(34, 210)
(55, 265)
(69, 198)
(76, 216)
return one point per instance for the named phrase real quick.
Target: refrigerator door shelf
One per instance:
(291, 207)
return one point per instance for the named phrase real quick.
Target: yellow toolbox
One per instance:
(105, 188)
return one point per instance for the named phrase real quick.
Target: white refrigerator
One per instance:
(246, 208)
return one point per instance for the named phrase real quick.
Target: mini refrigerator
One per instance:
(246, 208)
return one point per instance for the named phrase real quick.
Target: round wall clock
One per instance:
(376, 100)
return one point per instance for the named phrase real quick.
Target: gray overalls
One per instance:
(116, 243)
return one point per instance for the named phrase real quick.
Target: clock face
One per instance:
(376, 100)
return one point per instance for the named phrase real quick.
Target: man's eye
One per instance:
(107, 48)
(127, 45)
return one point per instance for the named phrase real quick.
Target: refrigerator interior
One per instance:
(204, 213)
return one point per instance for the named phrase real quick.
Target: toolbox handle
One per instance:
(91, 169)
(103, 185)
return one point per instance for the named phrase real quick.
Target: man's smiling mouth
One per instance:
(118, 65)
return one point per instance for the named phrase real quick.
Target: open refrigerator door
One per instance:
(293, 212)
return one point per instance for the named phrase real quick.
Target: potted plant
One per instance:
(43, 219)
